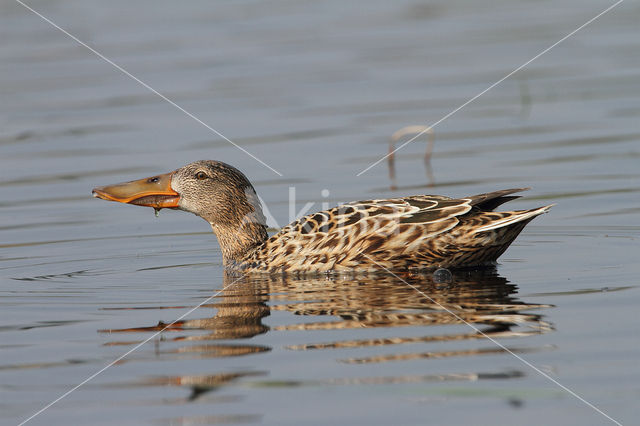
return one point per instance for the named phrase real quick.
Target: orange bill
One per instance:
(153, 192)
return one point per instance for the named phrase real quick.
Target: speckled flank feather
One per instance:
(418, 232)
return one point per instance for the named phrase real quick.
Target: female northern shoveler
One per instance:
(417, 232)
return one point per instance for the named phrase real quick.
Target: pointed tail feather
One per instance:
(514, 217)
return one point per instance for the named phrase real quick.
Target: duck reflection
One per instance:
(473, 305)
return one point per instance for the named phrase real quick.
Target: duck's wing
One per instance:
(376, 214)
(340, 235)
(435, 212)
(411, 232)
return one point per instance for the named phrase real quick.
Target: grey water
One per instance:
(315, 90)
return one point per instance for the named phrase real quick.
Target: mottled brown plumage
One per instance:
(416, 232)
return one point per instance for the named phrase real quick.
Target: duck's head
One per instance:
(215, 191)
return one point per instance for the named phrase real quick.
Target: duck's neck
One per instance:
(239, 224)
(238, 242)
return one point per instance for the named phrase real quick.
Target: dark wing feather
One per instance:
(490, 200)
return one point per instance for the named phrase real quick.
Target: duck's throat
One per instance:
(237, 243)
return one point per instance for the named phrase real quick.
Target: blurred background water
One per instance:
(315, 89)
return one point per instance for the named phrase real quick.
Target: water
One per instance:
(315, 90)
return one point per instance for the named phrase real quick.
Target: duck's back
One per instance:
(416, 232)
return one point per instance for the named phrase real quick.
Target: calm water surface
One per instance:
(314, 89)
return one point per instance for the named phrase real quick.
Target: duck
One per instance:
(412, 233)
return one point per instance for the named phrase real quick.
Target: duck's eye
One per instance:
(201, 175)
